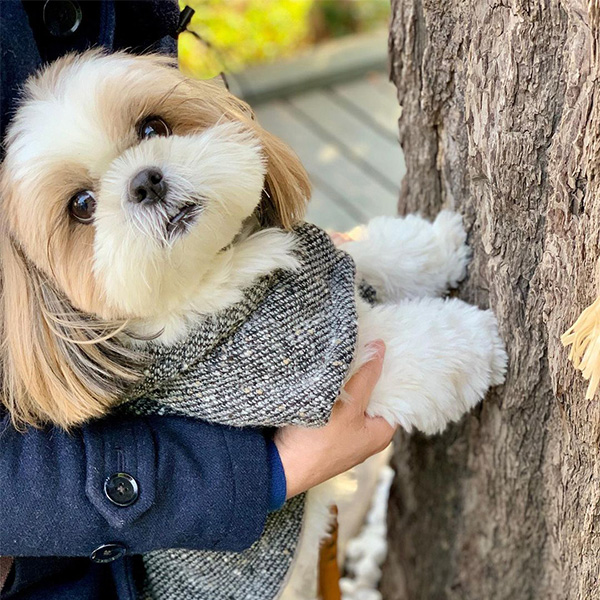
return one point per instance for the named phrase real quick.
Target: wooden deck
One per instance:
(344, 129)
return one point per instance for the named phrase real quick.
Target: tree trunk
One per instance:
(501, 121)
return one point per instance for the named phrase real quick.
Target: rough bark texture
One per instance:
(501, 121)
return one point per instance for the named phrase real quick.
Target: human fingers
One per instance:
(380, 432)
(339, 238)
(361, 384)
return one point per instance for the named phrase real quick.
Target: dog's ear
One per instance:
(287, 187)
(58, 366)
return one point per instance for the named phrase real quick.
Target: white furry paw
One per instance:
(498, 356)
(452, 238)
(410, 257)
(441, 358)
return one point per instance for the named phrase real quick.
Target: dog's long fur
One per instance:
(60, 363)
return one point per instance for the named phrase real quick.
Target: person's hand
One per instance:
(312, 456)
(339, 238)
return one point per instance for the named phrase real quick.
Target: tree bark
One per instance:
(501, 121)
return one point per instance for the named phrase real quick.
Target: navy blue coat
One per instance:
(197, 485)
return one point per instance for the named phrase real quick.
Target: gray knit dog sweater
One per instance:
(279, 357)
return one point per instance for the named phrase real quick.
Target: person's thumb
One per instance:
(361, 384)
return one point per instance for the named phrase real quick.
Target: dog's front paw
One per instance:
(441, 358)
(452, 238)
(498, 357)
(484, 359)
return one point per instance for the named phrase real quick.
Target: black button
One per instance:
(62, 17)
(107, 553)
(121, 489)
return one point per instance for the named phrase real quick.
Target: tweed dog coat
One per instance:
(279, 357)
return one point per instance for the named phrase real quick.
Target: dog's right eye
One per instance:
(153, 127)
(82, 206)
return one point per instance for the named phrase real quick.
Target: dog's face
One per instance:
(122, 181)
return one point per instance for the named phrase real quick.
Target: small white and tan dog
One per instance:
(124, 190)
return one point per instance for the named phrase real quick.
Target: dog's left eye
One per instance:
(152, 127)
(82, 206)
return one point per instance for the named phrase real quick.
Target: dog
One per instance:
(135, 202)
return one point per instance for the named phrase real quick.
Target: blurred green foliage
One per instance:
(235, 33)
(336, 18)
(241, 32)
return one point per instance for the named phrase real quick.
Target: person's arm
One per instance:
(198, 486)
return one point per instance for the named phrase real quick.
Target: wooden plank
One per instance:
(380, 81)
(383, 108)
(339, 60)
(363, 196)
(357, 137)
(327, 213)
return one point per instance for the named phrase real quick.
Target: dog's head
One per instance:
(122, 181)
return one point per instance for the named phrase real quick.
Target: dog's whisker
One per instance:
(170, 92)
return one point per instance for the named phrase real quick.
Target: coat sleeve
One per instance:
(197, 486)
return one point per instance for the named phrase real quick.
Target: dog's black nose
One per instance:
(148, 186)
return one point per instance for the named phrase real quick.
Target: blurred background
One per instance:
(315, 71)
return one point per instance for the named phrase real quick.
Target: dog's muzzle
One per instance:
(166, 215)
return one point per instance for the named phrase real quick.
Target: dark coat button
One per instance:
(107, 553)
(62, 17)
(121, 489)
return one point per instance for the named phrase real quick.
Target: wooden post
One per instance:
(329, 571)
